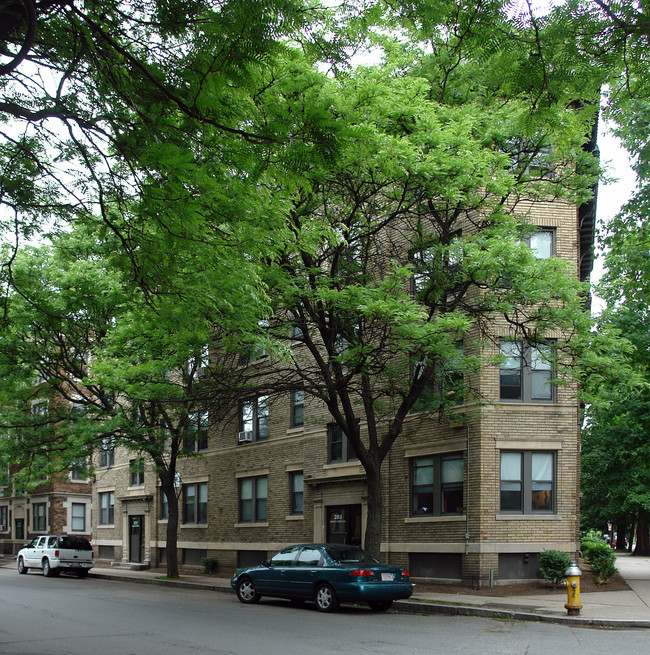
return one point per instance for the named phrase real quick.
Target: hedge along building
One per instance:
(483, 472)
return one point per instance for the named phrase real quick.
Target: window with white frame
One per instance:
(526, 372)
(527, 482)
(78, 517)
(253, 494)
(437, 485)
(4, 518)
(106, 507)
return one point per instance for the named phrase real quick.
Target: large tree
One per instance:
(112, 368)
(413, 242)
(615, 36)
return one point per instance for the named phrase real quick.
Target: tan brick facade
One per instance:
(478, 545)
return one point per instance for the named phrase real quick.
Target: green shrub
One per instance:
(553, 565)
(590, 541)
(600, 558)
(210, 564)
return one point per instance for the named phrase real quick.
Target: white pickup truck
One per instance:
(56, 553)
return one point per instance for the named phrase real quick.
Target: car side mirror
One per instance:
(266, 563)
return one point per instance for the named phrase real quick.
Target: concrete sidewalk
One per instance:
(613, 609)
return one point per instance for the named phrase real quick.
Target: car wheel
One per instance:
(48, 571)
(246, 591)
(22, 569)
(325, 599)
(82, 573)
(380, 605)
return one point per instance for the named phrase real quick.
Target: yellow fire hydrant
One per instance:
(573, 604)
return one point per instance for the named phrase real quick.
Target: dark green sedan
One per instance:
(327, 574)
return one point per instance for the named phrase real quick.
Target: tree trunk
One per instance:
(621, 533)
(172, 527)
(372, 540)
(642, 535)
(630, 543)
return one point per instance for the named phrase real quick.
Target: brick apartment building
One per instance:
(472, 501)
(59, 506)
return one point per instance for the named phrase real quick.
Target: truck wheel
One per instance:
(82, 573)
(48, 571)
(22, 569)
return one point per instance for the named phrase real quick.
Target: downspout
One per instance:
(467, 495)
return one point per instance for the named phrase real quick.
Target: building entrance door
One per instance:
(344, 524)
(136, 538)
(20, 529)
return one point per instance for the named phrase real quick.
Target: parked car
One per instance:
(327, 574)
(55, 553)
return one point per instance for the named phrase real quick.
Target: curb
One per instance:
(421, 607)
(418, 606)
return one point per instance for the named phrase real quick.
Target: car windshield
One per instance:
(77, 543)
(350, 555)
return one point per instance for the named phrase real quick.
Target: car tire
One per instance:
(82, 573)
(380, 605)
(246, 591)
(325, 599)
(48, 571)
(22, 569)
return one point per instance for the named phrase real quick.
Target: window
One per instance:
(296, 482)
(527, 482)
(107, 453)
(39, 517)
(79, 471)
(256, 351)
(136, 470)
(446, 387)
(338, 445)
(199, 361)
(436, 264)
(4, 525)
(526, 372)
(254, 419)
(195, 503)
(542, 243)
(78, 517)
(196, 438)
(437, 485)
(164, 506)
(310, 557)
(106, 508)
(40, 408)
(284, 557)
(253, 499)
(297, 408)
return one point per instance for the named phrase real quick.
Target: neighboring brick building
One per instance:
(474, 501)
(62, 506)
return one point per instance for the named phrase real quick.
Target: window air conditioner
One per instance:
(246, 436)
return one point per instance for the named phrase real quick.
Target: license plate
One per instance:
(386, 577)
